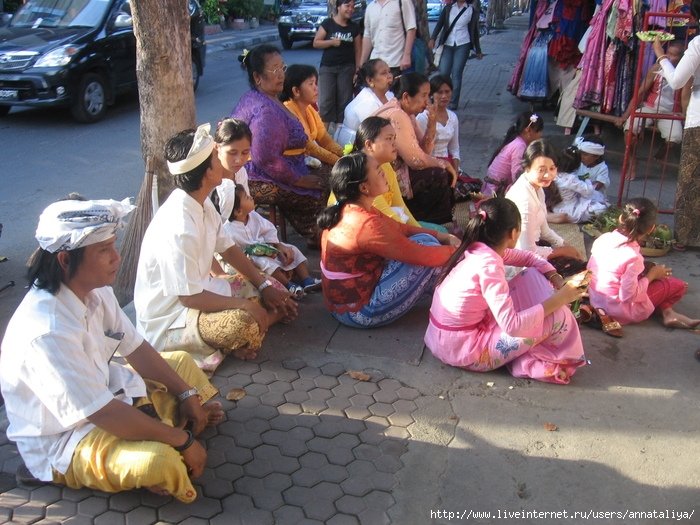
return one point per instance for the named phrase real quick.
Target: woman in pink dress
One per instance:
(622, 284)
(506, 163)
(480, 321)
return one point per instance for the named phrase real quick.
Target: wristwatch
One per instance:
(265, 284)
(187, 394)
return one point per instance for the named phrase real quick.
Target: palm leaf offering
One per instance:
(650, 36)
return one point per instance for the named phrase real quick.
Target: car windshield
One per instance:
(60, 13)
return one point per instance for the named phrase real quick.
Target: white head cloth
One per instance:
(589, 147)
(71, 224)
(227, 198)
(202, 146)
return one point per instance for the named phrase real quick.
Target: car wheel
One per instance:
(286, 41)
(195, 74)
(90, 102)
(4, 110)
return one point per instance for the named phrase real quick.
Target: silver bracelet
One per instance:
(182, 396)
(265, 284)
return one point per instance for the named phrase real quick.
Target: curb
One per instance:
(235, 42)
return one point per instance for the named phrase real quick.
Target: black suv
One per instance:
(76, 53)
(302, 19)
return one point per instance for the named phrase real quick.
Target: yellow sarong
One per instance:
(105, 462)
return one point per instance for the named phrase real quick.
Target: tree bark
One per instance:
(166, 100)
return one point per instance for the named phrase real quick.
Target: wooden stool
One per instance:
(276, 218)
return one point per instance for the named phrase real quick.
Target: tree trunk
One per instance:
(166, 100)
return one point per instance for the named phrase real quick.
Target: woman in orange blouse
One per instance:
(299, 95)
(374, 268)
(428, 179)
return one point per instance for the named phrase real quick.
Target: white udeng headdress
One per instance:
(589, 147)
(71, 224)
(202, 146)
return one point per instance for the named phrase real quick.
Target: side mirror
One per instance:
(122, 20)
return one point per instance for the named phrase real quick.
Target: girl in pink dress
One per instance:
(622, 285)
(480, 321)
(506, 163)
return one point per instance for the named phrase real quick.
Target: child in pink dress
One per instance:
(506, 163)
(621, 285)
(480, 321)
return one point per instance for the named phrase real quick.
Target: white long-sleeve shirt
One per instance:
(677, 77)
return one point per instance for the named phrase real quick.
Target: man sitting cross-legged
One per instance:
(80, 417)
(179, 304)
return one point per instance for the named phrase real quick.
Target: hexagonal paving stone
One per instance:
(357, 413)
(14, 498)
(141, 516)
(397, 433)
(257, 425)
(333, 369)
(338, 450)
(217, 488)
(194, 521)
(273, 399)
(294, 364)
(303, 384)
(407, 393)
(388, 464)
(238, 455)
(202, 507)
(309, 372)
(263, 497)
(267, 459)
(313, 406)
(289, 409)
(247, 439)
(393, 447)
(229, 472)
(386, 396)
(29, 512)
(277, 481)
(320, 394)
(123, 501)
(350, 504)
(63, 509)
(327, 382)
(296, 396)
(263, 377)
(389, 384)
(400, 419)
(79, 520)
(93, 506)
(366, 387)
(215, 457)
(336, 407)
(368, 452)
(111, 517)
(343, 519)
(281, 373)
(46, 494)
(381, 409)
(361, 400)
(291, 443)
(289, 514)
(317, 502)
(345, 391)
(280, 387)
(372, 517)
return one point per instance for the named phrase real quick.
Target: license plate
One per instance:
(8, 94)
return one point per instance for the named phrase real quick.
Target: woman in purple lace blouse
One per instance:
(276, 172)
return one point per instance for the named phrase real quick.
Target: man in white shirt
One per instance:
(71, 401)
(179, 305)
(386, 36)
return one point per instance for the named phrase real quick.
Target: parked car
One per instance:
(76, 53)
(301, 20)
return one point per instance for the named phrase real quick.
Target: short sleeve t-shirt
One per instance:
(345, 53)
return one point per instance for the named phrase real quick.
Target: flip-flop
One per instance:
(608, 324)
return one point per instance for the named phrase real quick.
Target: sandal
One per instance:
(608, 324)
(585, 314)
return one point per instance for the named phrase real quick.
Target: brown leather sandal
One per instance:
(608, 324)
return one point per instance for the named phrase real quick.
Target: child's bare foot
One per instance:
(215, 413)
(673, 319)
(157, 489)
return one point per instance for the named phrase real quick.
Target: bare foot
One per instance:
(673, 319)
(157, 489)
(215, 413)
(245, 353)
